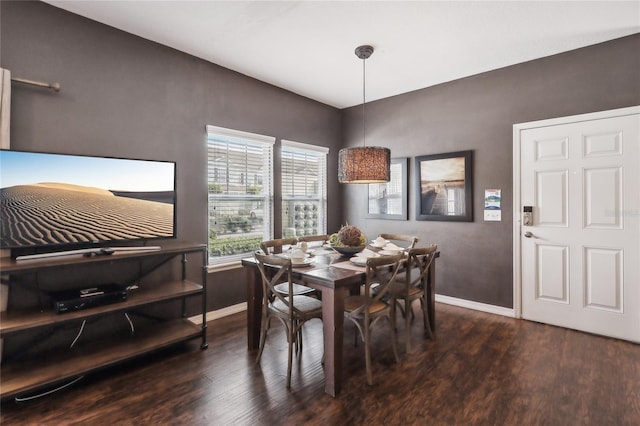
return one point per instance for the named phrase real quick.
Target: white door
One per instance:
(580, 257)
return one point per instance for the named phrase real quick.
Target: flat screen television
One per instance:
(52, 202)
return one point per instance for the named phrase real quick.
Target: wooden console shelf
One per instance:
(14, 321)
(31, 374)
(37, 371)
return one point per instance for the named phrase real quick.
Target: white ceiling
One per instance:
(307, 47)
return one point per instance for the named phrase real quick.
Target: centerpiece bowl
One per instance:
(347, 250)
(348, 241)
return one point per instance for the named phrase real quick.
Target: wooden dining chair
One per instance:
(367, 308)
(293, 310)
(276, 247)
(321, 239)
(405, 241)
(413, 287)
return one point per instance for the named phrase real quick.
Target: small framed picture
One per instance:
(389, 200)
(444, 189)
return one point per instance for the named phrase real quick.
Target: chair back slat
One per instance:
(410, 240)
(314, 238)
(420, 258)
(381, 270)
(275, 246)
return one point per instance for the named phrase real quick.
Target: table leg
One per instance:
(333, 321)
(431, 296)
(254, 307)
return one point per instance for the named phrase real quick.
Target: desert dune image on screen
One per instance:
(51, 199)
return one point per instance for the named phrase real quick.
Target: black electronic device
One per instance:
(75, 300)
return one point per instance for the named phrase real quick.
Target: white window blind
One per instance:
(240, 192)
(304, 189)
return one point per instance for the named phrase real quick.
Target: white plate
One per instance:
(378, 245)
(305, 262)
(390, 252)
(288, 255)
(359, 260)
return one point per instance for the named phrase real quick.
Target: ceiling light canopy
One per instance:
(364, 164)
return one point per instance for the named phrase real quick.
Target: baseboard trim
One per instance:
(469, 304)
(220, 313)
(491, 309)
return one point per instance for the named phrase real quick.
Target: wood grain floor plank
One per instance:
(483, 369)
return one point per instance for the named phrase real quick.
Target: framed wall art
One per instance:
(444, 189)
(389, 200)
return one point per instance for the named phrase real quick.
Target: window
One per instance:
(240, 189)
(304, 189)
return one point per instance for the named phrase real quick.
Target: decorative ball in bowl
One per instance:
(349, 240)
(348, 250)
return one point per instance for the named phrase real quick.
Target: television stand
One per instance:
(87, 252)
(36, 354)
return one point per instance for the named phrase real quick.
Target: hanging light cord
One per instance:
(364, 86)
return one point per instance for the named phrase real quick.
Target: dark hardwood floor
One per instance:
(482, 370)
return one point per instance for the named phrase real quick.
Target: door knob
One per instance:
(528, 234)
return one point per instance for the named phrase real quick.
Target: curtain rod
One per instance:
(54, 86)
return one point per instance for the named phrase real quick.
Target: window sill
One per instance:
(221, 267)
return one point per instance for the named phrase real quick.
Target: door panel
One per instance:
(551, 197)
(603, 279)
(553, 279)
(602, 198)
(580, 259)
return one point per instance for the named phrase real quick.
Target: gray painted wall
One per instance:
(478, 113)
(125, 96)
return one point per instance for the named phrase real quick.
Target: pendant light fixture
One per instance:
(365, 164)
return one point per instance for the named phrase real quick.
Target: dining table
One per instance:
(334, 276)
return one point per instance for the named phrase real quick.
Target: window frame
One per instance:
(321, 197)
(267, 199)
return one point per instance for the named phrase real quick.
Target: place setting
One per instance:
(360, 258)
(385, 247)
(299, 257)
